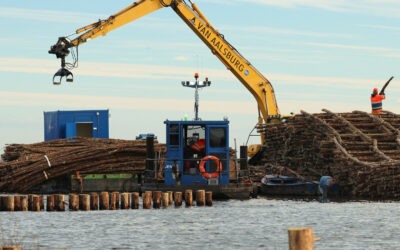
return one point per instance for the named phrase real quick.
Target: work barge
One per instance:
(64, 166)
(359, 150)
(196, 156)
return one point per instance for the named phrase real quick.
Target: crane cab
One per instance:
(197, 153)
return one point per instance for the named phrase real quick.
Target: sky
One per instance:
(318, 54)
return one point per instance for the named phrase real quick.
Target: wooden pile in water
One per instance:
(361, 151)
(28, 165)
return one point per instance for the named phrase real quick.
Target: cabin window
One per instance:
(193, 134)
(194, 147)
(217, 137)
(174, 134)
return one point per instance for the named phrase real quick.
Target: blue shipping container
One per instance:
(83, 123)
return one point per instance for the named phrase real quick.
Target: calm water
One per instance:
(253, 224)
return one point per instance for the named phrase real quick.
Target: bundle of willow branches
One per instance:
(29, 165)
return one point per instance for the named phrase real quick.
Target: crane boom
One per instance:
(131, 13)
(247, 74)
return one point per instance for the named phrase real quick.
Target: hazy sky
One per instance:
(317, 54)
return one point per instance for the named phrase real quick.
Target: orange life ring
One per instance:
(203, 162)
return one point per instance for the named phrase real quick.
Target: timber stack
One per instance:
(29, 165)
(361, 151)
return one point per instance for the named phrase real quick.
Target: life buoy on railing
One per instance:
(203, 171)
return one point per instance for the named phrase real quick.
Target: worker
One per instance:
(325, 183)
(376, 101)
(198, 145)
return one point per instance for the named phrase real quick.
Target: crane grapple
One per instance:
(63, 72)
(61, 50)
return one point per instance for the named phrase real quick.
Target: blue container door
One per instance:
(173, 164)
(70, 130)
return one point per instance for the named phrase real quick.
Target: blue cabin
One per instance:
(197, 152)
(82, 123)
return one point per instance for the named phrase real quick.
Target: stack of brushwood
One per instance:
(29, 165)
(361, 151)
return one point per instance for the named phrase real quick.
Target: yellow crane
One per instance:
(247, 74)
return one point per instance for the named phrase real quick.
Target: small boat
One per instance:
(286, 185)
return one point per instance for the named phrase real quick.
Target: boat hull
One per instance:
(287, 186)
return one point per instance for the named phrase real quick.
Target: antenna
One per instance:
(196, 85)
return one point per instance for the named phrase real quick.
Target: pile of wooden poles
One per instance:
(29, 165)
(359, 150)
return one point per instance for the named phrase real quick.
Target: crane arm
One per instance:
(102, 27)
(132, 12)
(249, 76)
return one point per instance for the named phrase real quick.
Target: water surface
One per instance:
(252, 224)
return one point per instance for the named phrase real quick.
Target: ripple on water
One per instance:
(233, 224)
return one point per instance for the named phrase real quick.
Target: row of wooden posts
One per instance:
(103, 201)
